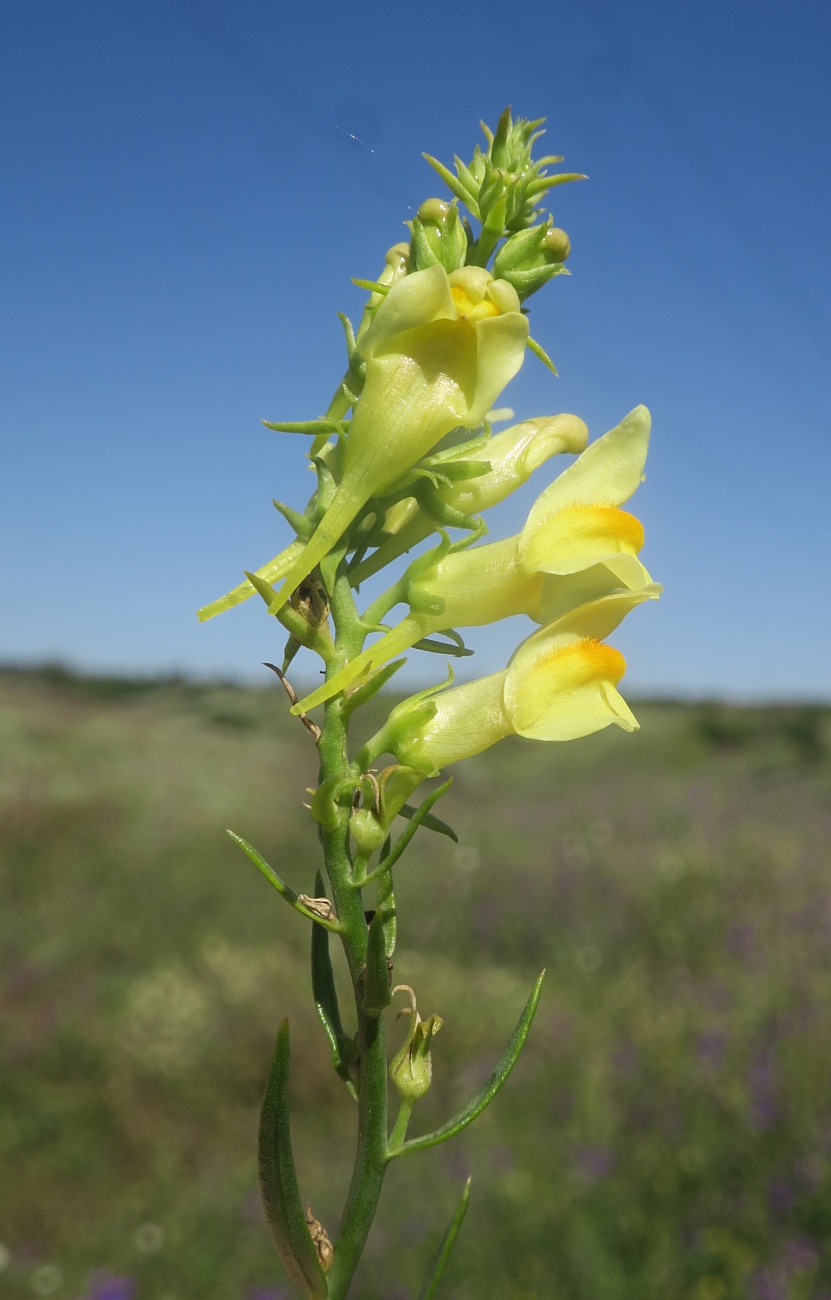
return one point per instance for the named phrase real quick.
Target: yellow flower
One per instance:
(560, 684)
(513, 455)
(438, 353)
(576, 546)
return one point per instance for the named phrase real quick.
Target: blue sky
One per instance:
(188, 188)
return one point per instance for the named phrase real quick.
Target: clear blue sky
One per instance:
(184, 204)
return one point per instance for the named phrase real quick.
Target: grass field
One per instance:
(667, 1132)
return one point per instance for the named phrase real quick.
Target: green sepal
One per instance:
(294, 900)
(374, 286)
(302, 525)
(489, 1088)
(328, 804)
(428, 1291)
(376, 975)
(395, 784)
(314, 427)
(539, 351)
(326, 999)
(466, 177)
(278, 1179)
(349, 335)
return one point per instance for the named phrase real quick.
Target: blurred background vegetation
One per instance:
(667, 1132)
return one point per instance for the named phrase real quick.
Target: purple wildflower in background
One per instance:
(763, 1109)
(771, 1284)
(594, 1163)
(781, 1198)
(800, 1255)
(103, 1286)
(711, 1048)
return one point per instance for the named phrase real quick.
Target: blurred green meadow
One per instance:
(667, 1131)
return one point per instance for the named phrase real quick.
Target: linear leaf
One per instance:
(326, 997)
(295, 900)
(454, 184)
(449, 1240)
(278, 1179)
(276, 568)
(490, 1087)
(314, 427)
(417, 816)
(429, 822)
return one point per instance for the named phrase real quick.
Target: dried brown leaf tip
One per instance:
(320, 906)
(320, 1237)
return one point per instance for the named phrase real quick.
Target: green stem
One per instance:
(370, 1156)
(402, 1123)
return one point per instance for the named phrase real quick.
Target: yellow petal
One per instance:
(606, 474)
(414, 300)
(561, 594)
(579, 535)
(593, 621)
(500, 353)
(568, 691)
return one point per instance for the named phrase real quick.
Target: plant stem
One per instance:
(370, 1156)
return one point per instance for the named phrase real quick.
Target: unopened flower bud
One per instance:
(367, 831)
(531, 257)
(411, 1069)
(557, 244)
(438, 237)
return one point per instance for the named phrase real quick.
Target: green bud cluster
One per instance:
(502, 185)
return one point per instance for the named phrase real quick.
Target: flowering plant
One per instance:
(441, 337)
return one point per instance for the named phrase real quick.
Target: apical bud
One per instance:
(531, 257)
(438, 237)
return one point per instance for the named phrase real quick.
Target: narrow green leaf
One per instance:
(429, 1289)
(315, 427)
(278, 1179)
(316, 913)
(417, 816)
(429, 822)
(376, 975)
(454, 184)
(326, 997)
(276, 568)
(539, 351)
(490, 1087)
(374, 286)
(455, 647)
(261, 587)
(543, 183)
